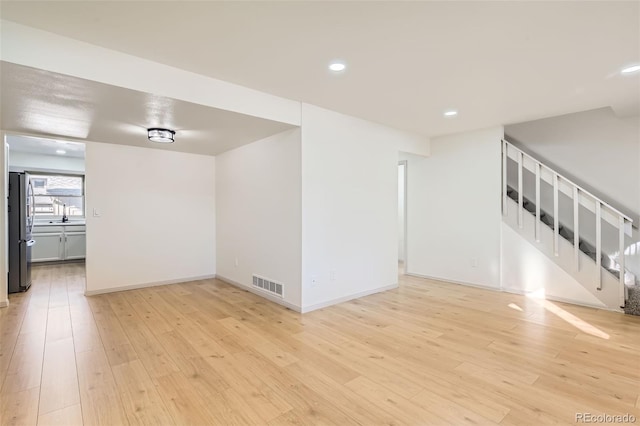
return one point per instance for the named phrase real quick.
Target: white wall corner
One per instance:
(263, 294)
(349, 205)
(453, 208)
(417, 146)
(325, 304)
(258, 213)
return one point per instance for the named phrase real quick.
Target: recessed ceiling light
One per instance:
(61, 151)
(337, 66)
(160, 135)
(629, 70)
(450, 113)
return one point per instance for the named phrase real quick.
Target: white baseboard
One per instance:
(562, 300)
(446, 280)
(513, 291)
(145, 285)
(332, 302)
(4, 303)
(257, 292)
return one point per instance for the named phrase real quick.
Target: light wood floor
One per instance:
(207, 353)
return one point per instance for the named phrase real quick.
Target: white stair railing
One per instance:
(580, 197)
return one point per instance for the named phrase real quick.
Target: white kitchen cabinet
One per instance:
(48, 247)
(75, 245)
(56, 243)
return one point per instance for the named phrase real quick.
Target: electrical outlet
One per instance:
(474, 262)
(236, 262)
(96, 212)
(332, 275)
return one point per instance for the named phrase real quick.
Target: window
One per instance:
(58, 194)
(38, 183)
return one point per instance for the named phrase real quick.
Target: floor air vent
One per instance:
(268, 285)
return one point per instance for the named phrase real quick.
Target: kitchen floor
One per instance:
(208, 353)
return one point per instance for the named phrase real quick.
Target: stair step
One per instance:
(547, 220)
(530, 207)
(566, 233)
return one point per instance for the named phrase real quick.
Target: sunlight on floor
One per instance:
(516, 307)
(538, 297)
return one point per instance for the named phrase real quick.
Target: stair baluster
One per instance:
(556, 217)
(599, 244)
(537, 230)
(576, 227)
(520, 191)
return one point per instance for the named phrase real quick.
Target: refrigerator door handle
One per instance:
(32, 207)
(31, 243)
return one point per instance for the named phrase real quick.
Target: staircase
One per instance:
(583, 234)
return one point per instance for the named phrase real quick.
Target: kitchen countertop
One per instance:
(58, 223)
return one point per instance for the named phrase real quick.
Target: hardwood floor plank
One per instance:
(450, 411)
(68, 416)
(360, 409)
(99, 394)
(25, 368)
(253, 391)
(400, 408)
(19, 408)
(59, 385)
(140, 397)
(186, 406)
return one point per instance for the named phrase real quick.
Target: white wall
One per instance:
(157, 220)
(453, 204)
(258, 190)
(21, 161)
(596, 149)
(349, 206)
(4, 253)
(525, 269)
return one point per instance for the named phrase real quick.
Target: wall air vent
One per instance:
(268, 285)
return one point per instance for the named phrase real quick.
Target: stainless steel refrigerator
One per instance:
(20, 212)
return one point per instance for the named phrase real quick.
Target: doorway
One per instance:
(402, 217)
(54, 172)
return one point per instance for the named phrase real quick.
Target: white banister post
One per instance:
(520, 194)
(621, 260)
(537, 202)
(576, 227)
(599, 244)
(556, 219)
(504, 177)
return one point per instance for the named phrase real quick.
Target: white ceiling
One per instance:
(45, 146)
(496, 62)
(37, 102)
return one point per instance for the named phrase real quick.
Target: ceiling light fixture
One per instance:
(337, 66)
(161, 135)
(629, 70)
(450, 113)
(61, 151)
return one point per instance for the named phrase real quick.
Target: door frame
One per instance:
(405, 163)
